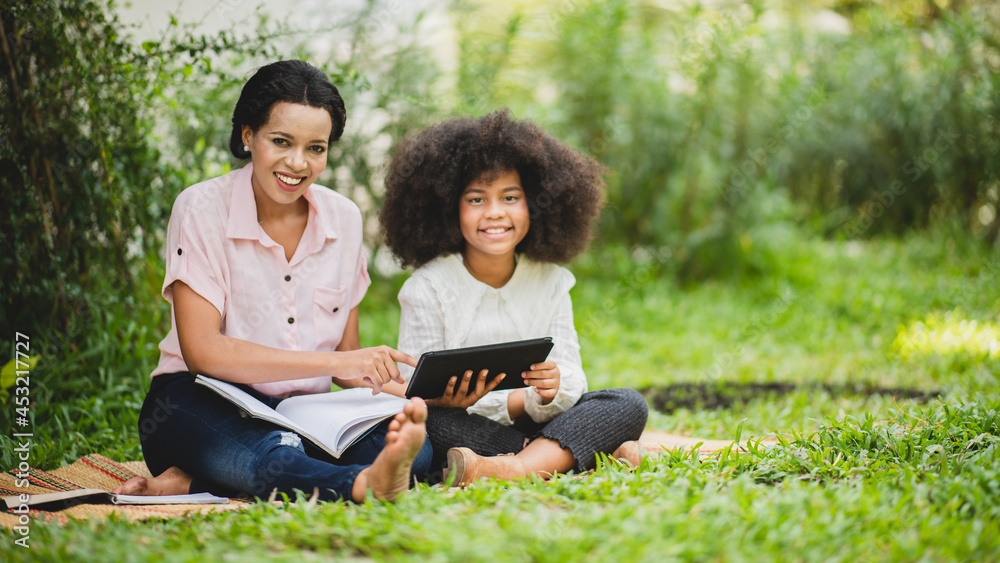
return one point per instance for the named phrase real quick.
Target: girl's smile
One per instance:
(496, 233)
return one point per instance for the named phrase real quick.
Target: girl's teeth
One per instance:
(495, 231)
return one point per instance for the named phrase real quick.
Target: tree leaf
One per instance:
(8, 375)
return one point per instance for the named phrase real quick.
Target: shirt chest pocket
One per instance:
(330, 315)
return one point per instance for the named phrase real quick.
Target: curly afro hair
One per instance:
(430, 170)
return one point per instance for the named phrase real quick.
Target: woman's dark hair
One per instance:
(296, 82)
(431, 169)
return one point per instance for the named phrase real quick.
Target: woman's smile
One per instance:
(290, 182)
(288, 153)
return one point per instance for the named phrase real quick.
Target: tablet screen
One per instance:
(430, 378)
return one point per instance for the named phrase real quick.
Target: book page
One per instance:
(245, 401)
(341, 416)
(331, 421)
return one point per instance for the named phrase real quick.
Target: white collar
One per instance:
(531, 294)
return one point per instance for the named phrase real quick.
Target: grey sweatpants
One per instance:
(599, 422)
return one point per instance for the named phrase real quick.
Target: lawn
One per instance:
(874, 364)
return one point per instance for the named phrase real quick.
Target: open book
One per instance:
(77, 496)
(331, 421)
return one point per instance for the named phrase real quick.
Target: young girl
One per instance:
(485, 209)
(265, 272)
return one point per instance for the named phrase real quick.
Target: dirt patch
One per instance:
(721, 395)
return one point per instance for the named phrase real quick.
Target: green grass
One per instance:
(856, 475)
(829, 313)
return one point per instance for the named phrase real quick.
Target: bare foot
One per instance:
(629, 453)
(389, 475)
(173, 481)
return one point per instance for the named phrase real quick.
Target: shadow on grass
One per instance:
(721, 395)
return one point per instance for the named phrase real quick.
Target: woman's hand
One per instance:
(463, 398)
(544, 377)
(374, 367)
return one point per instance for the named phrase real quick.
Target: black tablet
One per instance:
(430, 378)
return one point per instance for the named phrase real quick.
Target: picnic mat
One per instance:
(92, 472)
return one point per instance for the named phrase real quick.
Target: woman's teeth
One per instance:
(495, 231)
(288, 180)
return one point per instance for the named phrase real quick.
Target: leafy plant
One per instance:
(78, 174)
(730, 130)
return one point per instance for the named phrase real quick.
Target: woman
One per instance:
(265, 272)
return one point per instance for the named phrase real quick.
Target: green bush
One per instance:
(908, 136)
(78, 174)
(727, 128)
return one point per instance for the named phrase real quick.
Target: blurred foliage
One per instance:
(726, 127)
(78, 177)
(949, 335)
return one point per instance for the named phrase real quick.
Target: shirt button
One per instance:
(179, 252)
(335, 309)
(291, 320)
(288, 278)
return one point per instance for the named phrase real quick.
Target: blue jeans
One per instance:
(227, 453)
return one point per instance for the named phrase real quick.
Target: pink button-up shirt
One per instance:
(216, 246)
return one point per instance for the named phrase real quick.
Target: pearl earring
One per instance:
(246, 148)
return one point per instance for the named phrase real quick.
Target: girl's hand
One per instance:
(544, 377)
(463, 398)
(374, 367)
